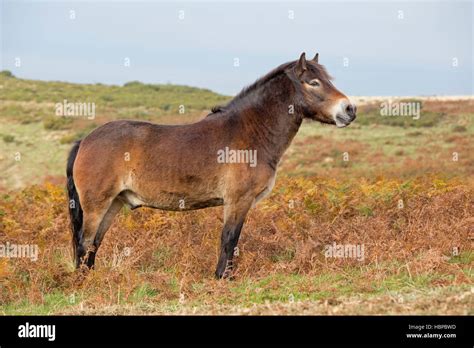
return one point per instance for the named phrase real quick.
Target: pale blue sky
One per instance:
(386, 55)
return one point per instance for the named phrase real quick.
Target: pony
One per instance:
(198, 165)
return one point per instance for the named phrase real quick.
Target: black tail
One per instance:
(75, 210)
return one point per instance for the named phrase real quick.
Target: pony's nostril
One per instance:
(349, 109)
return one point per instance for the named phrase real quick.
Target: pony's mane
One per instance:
(263, 80)
(322, 72)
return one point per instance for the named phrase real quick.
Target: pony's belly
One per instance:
(170, 201)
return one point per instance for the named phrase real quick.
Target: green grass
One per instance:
(40, 150)
(51, 304)
(24, 112)
(464, 258)
(274, 289)
(143, 293)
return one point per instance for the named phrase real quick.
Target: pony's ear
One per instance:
(316, 58)
(301, 65)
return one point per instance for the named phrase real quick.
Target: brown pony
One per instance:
(228, 158)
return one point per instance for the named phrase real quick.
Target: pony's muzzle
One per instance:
(345, 114)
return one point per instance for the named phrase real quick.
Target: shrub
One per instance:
(57, 123)
(459, 129)
(8, 138)
(68, 139)
(7, 73)
(132, 84)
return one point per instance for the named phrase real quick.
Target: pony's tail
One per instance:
(75, 210)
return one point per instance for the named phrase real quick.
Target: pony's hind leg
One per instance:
(96, 222)
(87, 249)
(107, 220)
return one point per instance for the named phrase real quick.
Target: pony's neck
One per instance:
(268, 115)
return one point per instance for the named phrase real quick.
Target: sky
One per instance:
(371, 48)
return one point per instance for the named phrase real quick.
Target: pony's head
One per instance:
(316, 96)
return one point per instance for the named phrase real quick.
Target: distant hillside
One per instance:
(152, 99)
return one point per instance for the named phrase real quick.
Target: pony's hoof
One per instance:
(227, 273)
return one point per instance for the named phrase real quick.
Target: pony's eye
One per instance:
(314, 83)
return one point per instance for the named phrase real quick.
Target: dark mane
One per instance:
(320, 69)
(262, 80)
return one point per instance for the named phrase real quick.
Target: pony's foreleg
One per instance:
(234, 218)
